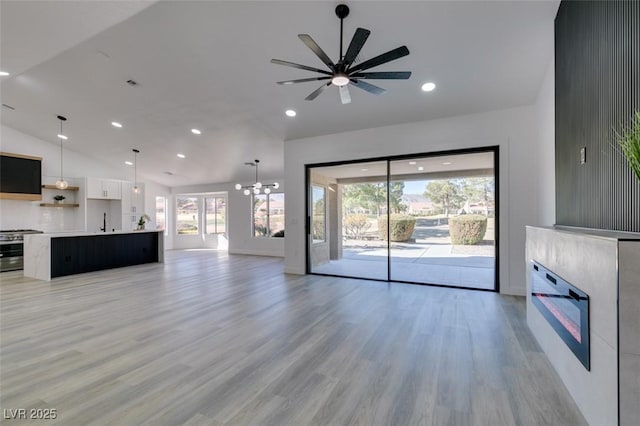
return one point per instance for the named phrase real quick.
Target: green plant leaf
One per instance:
(629, 142)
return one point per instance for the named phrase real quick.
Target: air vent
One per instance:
(9, 107)
(168, 173)
(132, 83)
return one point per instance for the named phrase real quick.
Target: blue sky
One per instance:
(415, 187)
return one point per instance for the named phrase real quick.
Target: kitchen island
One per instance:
(48, 256)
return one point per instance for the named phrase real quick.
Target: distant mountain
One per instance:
(414, 198)
(416, 203)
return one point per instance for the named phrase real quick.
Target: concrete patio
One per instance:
(442, 264)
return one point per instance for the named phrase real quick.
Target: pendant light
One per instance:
(136, 189)
(257, 186)
(61, 183)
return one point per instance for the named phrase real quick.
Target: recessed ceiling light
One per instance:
(181, 155)
(63, 137)
(412, 163)
(364, 170)
(290, 113)
(427, 87)
(196, 132)
(128, 163)
(447, 163)
(116, 124)
(420, 168)
(3, 73)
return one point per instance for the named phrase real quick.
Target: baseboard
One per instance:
(255, 253)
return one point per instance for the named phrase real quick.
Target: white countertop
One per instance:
(596, 233)
(88, 234)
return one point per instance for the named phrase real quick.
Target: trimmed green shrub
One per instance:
(318, 228)
(467, 229)
(260, 230)
(355, 225)
(401, 227)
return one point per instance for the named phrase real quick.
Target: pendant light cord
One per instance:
(61, 174)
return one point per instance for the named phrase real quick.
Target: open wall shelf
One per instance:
(69, 188)
(59, 205)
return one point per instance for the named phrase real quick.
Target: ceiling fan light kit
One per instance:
(344, 71)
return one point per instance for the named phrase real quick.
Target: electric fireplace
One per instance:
(565, 307)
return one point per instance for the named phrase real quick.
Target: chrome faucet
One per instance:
(104, 222)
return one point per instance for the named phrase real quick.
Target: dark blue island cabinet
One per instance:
(48, 256)
(75, 255)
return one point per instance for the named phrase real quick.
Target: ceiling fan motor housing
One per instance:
(342, 11)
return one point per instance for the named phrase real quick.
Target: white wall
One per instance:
(151, 191)
(545, 123)
(96, 210)
(513, 130)
(27, 214)
(239, 229)
(19, 214)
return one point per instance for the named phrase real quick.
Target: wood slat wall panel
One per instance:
(597, 73)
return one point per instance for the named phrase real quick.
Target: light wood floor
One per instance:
(214, 339)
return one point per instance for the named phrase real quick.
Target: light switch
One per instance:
(583, 155)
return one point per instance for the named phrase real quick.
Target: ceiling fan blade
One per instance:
(302, 67)
(384, 75)
(311, 44)
(381, 59)
(345, 96)
(316, 92)
(355, 46)
(368, 87)
(303, 80)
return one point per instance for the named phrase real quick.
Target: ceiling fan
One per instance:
(344, 71)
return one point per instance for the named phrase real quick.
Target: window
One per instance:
(216, 215)
(161, 213)
(186, 215)
(276, 214)
(268, 215)
(317, 207)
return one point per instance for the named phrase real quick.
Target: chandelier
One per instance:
(257, 186)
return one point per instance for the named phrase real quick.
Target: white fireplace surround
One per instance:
(606, 266)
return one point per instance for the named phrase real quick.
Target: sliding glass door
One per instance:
(347, 202)
(443, 220)
(426, 219)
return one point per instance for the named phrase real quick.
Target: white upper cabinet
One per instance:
(104, 189)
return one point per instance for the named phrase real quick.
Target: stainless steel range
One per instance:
(12, 248)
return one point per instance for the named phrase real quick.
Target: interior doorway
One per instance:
(424, 219)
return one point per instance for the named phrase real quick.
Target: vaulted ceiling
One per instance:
(205, 65)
